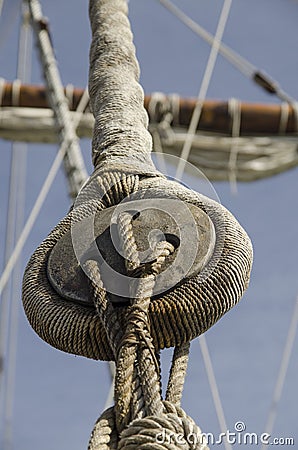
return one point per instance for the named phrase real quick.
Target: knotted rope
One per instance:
(133, 334)
(120, 135)
(140, 417)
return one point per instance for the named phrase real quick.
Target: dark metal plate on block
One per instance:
(184, 225)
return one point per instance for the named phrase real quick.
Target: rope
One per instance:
(214, 390)
(288, 348)
(15, 219)
(69, 90)
(284, 117)
(133, 332)
(139, 411)
(177, 374)
(206, 298)
(2, 88)
(244, 66)
(15, 95)
(4, 304)
(137, 329)
(73, 161)
(202, 296)
(204, 88)
(235, 111)
(173, 430)
(120, 120)
(234, 58)
(20, 156)
(163, 111)
(33, 216)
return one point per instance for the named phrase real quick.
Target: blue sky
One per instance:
(58, 397)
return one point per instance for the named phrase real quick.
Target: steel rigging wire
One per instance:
(161, 1)
(281, 376)
(46, 186)
(9, 11)
(216, 43)
(249, 70)
(9, 307)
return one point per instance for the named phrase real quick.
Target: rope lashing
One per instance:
(140, 417)
(139, 263)
(134, 351)
(61, 313)
(198, 301)
(172, 430)
(240, 63)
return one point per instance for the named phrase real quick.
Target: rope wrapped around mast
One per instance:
(132, 332)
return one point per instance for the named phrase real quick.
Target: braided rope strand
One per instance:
(175, 317)
(174, 430)
(177, 374)
(132, 335)
(140, 423)
(117, 99)
(137, 349)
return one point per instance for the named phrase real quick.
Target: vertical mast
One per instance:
(73, 162)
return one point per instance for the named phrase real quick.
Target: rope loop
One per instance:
(132, 331)
(137, 381)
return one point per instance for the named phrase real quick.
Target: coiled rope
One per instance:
(132, 334)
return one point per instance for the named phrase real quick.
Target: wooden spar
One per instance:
(256, 118)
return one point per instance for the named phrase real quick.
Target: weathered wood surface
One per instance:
(256, 118)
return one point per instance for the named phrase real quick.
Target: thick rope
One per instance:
(73, 161)
(58, 321)
(133, 392)
(117, 98)
(177, 374)
(137, 369)
(176, 317)
(172, 430)
(139, 417)
(133, 335)
(284, 364)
